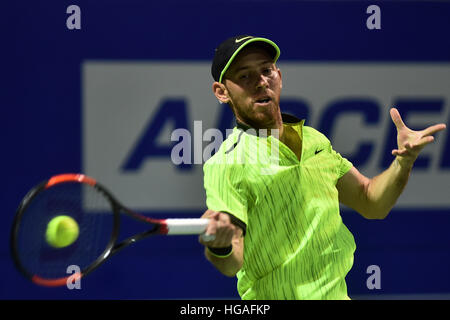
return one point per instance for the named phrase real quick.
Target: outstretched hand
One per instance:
(410, 142)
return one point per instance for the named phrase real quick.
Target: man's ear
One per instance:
(281, 79)
(221, 92)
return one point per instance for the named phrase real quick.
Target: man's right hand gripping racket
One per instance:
(75, 196)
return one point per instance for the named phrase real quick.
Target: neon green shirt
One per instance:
(296, 245)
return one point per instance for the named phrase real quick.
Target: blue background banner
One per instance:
(49, 98)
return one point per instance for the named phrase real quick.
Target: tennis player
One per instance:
(281, 234)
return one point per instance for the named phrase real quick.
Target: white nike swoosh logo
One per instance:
(241, 39)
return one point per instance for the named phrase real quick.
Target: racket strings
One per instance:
(90, 209)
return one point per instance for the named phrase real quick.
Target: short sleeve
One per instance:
(322, 142)
(344, 165)
(225, 190)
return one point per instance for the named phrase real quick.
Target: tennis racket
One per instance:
(97, 213)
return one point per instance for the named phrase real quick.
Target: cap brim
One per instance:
(244, 44)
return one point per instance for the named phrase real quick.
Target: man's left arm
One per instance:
(374, 198)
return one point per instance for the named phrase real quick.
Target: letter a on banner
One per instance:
(74, 20)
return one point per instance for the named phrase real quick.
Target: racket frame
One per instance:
(160, 226)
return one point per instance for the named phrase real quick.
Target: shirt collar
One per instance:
(288, 119)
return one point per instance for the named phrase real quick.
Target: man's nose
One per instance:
(262, 83)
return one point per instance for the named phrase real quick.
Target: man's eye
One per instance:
(243, 76)
(267, 71)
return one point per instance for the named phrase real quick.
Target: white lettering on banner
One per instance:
(137, 115)
(374, 280)
(74, 20)
(182, 152)
(73, 281)
(374, 20)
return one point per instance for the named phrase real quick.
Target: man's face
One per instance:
(253, 86)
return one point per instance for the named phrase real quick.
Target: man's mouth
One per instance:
(263, 100)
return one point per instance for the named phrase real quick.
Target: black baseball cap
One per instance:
(228, 50)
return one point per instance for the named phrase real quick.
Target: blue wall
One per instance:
(41, 109)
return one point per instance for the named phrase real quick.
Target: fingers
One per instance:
(410, 148)
(424, 141)
(210, 214)
(220, 230)
(211, 229)
(433, 129)
(207, 237)
(397, 119)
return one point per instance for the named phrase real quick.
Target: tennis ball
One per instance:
(61, 231)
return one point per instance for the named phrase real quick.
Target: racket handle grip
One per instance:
(186, 226)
